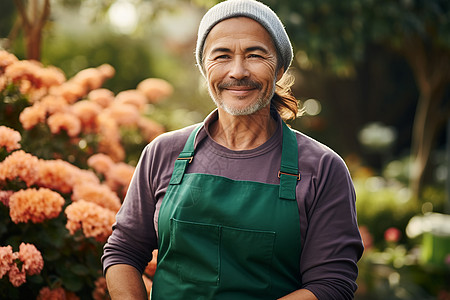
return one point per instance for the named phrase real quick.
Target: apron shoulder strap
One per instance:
(288, 173)
(185, 157)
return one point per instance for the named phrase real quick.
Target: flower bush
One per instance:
(64, 173)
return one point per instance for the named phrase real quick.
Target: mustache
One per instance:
(242, 82)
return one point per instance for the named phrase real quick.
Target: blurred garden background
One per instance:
(86, 84)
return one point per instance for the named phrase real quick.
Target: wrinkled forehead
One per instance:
(238, 28)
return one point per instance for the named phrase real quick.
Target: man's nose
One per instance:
(239, 68)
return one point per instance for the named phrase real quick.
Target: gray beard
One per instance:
(253, 108)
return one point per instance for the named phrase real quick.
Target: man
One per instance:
(240, 206)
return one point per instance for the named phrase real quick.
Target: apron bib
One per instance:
(227, 239)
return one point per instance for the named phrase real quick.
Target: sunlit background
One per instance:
(372, 78)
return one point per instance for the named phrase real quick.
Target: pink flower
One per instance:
(155, 89)
(64, 121)
(94, 220)
(19, 165)
(9, 138)
(392, 234)
(31, 258)
(97, 193)
(35, 205)
(16, 277)
(6, 260)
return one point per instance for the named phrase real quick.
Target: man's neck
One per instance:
(243, 132)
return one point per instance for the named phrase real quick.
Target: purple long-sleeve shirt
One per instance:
(331, 243)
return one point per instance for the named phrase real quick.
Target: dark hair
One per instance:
(283, 100)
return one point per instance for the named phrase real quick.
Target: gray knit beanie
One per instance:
(245, 8)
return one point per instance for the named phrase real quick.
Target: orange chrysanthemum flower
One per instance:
(56, 294)
(133, 97)
(62, 176)
(9, 138)
(123, 114)
(94, 220)
(6, 59)
(155, 89)
(4, 197)
(119, 176)
(103, 97)
(32, 115)
(101, 290)
(17, 277)
(101, 163)
(35, 205)
(19, 165)
(97, 193)
(6, 260)
(87, 112)
(64, 121)
(33, 263)
(149, 128)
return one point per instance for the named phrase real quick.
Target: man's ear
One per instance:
(280, 74)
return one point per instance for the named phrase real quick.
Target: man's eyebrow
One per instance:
(220, 49)
(257, 48)
(249, 49)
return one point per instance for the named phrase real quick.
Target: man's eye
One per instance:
(255, 56)
(224, 56)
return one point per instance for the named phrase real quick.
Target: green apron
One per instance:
(227, 239)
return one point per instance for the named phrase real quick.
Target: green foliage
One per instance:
(381, 205)
(335, 33)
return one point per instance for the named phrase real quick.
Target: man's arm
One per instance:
(302, 294)
(125, 283)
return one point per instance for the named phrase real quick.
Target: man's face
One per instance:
(240, 61)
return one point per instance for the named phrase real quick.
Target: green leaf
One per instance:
(79, 269)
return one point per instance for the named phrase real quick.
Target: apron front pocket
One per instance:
(246, 256)
(196, 251)
(216, 255)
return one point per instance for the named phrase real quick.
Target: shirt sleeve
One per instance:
(134, 238)
(332, 245)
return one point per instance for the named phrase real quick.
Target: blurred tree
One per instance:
(334, 35)
(33, 17)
